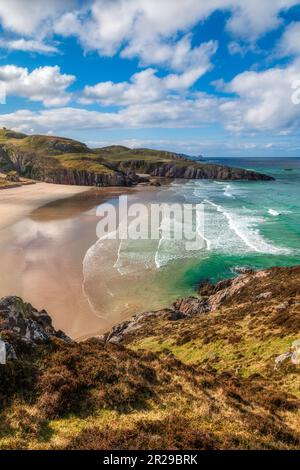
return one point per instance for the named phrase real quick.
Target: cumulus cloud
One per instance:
(170, 112)
(28, 18)
(45, 84)
(289, 44)
(251, 20)
(177, 56)
(143, 87)
(147, 28)
(252, 102)
(263, 100)
(157, 33)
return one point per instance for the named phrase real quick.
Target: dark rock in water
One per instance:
(242, 270)
(207, 288)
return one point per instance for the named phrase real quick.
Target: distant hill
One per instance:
(62, 160)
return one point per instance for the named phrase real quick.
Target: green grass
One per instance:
(250, 356)
(83, 162)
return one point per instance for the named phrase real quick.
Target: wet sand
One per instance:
(18, 202)
(45, 234)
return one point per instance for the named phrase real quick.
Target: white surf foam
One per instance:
(245, 228)
(227, 191)
(273, 213)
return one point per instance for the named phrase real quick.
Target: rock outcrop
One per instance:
(22, 323)
(219, 371)
(87, 178)
(267, 288)
(192, 170)
(66, 161)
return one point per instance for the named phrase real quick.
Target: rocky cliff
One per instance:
(216, 371)
(61, 160)
(188, 170)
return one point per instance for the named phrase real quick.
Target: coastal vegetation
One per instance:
(216, 371)
(61, 160)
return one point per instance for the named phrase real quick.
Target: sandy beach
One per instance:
(17, 202)
(45, 232)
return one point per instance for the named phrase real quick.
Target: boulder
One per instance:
(191, 306)
(26, 324)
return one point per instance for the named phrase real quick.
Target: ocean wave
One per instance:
(273, 213)
(245, 229)
(227, 191)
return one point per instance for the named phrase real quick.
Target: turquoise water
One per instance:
(54, 259)
(248, 224)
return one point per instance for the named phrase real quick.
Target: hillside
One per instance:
(218, 371)
(62, 160)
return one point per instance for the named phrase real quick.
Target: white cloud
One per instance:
(179, 56)
(169, 112)
(238, 48)
(148, 28)
(261, 103)
(45, 84)
(289, 44)
(60, 119)
(143, 87)
(251, 19)
(28, 45)
(28, 18)
(264, 100)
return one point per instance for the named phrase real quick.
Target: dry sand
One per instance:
(45, 231)
(17, 203)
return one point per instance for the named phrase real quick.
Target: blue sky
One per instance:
(212, 77)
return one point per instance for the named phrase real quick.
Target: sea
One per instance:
(247, 225)
(54, 259)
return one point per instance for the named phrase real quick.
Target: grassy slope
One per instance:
(52, 153)
(43, 157)
(206, 382)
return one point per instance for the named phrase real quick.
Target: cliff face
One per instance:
(87, 178)
(218, 371)
(188, 170)
(62, 160)
(49, 169)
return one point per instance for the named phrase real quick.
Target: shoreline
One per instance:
(20, 201)
(53, 260)
(45, 232)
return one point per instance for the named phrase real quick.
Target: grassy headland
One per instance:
(62, 160)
